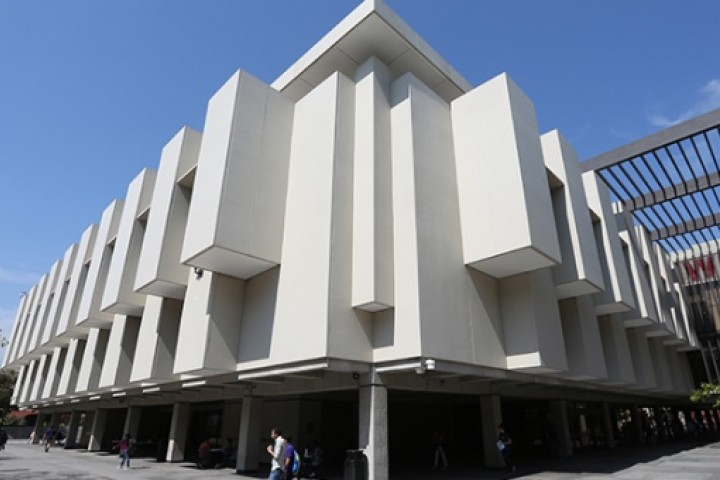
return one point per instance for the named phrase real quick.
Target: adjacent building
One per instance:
(367, 242)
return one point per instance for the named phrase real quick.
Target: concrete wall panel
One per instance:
(120, 352)
(71, 366)
(45, 326)
(78, 276)
(372, 242)
(89, 313)
(317, 230)
(92, 361)
(157, 340)
(159, 269)
(580, 272)
(617, 295)
(25, 325)
(508, 225)
(32, 322)
(645, 375)
(235, 224)
(119, 295)
(209, 329)
(583, 343)
(57, 361)
(533, 329)
(616, 350)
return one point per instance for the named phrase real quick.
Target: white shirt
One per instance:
(278, 460)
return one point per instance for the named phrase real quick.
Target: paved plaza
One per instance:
(676, 461)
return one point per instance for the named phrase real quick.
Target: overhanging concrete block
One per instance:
(236, 217)
(508, 226)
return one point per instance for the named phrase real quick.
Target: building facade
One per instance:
(367, 241)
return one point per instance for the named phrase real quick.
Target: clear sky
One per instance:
(90, 91)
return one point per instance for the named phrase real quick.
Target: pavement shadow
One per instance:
(609, 461)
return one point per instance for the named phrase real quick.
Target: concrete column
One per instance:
(637, 420)
(659, 419)
(72, 428)
(373, 429)
(97, 430)
(132, 422)
(491, 418)
(559, 419)
(248, 454)
(38, 431)
(178, 432)
(53, 420)
(84, 430)
(608, 422)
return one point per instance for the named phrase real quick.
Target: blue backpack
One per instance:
(296, 463)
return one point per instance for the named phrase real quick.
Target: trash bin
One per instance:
(355, 465)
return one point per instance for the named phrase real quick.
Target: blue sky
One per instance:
(90, 91)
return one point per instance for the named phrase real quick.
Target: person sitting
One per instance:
(317, 460)
(204, 454)
(227, 454)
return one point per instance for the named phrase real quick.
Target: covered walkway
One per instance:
(688, 460)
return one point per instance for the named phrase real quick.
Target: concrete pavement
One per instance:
(20, 461)
(671, 461)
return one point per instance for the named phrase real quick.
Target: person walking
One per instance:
(438, 444)
(124, 447)
(504, 444)
(277, 451)
(289, 465)
(48, 438)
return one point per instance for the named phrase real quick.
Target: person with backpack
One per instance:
(504, 445)
(292, 460)
(48, 438)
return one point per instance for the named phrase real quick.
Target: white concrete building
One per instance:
(363, 241)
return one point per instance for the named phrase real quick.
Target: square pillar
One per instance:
(38, 431)
(97, 430)
(373, 429)
(132, 421)
(178, 432)
(608, 425)
(248, 453)
(559, 419)
(491, 418)
(72, 428)
(637, 420)
(85, 429)
(54, 420)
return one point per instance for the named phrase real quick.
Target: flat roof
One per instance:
(372, 29)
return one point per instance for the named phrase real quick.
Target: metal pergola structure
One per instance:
(670, 182)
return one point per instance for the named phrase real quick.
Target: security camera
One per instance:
(355, 376)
